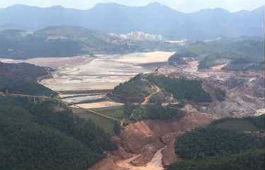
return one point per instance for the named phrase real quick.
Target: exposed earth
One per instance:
(84, 81)
(143, 144)
(149, 144)
(101, 72)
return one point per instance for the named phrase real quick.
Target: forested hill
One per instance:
(52, 42)
(231, 143)
(237, 54)
(39, 132)
(65, 41)
(45, 135)
(22, 79)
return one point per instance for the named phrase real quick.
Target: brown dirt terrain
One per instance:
(156, 90)
(148, 143)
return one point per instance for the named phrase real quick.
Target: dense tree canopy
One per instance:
(181, 88)
(135, 90)
(22, 79)
(45, 135)
(151, 111)
(250, 160)
(207, 142)
(238, 54)
(226, 144)
(139, 87)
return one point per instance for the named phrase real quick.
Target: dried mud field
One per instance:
(99, 72)
(76, 78)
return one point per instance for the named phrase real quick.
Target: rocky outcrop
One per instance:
(244, 96)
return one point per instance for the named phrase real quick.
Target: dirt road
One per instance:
(156, 90)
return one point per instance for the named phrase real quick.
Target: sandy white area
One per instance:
(260, 112)
(98, 72)
(145, 58)
(7, 60)
(102, 72)
(94, 73)
(98, 104)
(55, 62)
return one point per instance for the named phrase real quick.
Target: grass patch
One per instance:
(106, 124)
(116, 112)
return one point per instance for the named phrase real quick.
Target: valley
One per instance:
(148, 100)
(85, 82)
(117, 85)
(140, 143)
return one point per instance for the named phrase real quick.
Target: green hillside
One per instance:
(182, 88)
(134, 90)
(238, 54)
(143, 85)
(66, 41)
(247, 124)
(250, 160)
(213, 142)
(134, 112)
(232, 143)
(22, 79)
(45, 135)
(42, 133)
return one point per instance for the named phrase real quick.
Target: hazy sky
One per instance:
(180, 5)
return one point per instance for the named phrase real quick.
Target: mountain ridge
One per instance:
(122, 5)
(153, 18)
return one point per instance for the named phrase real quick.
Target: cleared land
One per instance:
(102, 72)
(146, 58)
(75, 76)
(116, 112)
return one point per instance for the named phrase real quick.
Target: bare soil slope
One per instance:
(149, 144)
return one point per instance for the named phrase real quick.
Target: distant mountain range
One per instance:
(153, 18)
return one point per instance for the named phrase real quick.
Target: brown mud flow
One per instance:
(149, 144)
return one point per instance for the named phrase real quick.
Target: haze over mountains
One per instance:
(153, 18)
